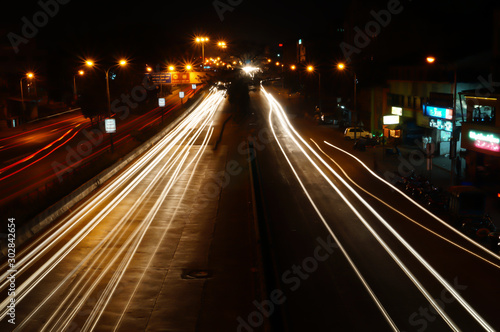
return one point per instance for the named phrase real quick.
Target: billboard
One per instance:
(178, 77)
(438, 112)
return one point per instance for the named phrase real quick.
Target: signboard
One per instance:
(193, 86)
(441, 124)
(181, 94)
(397, 110)
(161, 78)
(481, 138)
(178, 77)
(161, 102)
(391, 119)
(110, 126)
(438, 112)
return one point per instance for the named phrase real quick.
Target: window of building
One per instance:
(483, 114)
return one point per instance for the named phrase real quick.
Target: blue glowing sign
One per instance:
(438, 112)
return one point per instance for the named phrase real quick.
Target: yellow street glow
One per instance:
(123, 62)
(171, 68)
(30, 75)
(189, 67)
(81, 72)
(310, 68)
(341, 66)
(431, 59)
(89, 63)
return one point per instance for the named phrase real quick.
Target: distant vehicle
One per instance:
(350, 132)
(327, 118)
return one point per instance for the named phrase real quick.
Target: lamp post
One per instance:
(341, 66)
(311, 69)
(30, 76)
(202, 40)
(453, 139)
(120, 63)
(80, 72)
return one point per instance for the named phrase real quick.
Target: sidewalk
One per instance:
(412, 157)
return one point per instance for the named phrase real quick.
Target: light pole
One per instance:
(341, 66)
(120, 63)
(311, 70)
(80, 72)
(29, 75)
(453, 139)
(202, 40)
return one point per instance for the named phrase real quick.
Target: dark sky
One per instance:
(257, 20)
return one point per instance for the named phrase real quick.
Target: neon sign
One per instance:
(485, 141)
(441, 124)
(439, 112)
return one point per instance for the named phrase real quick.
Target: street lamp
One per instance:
(311, 69)
(222, 44)
(202, 40)
(29, 75)
(171, 68)
(341, 66)
(189, 67)
(81, 73)
(122, 62)
(453, 139)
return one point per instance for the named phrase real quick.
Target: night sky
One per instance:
(157, 29)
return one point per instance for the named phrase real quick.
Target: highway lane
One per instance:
(405, 268)
(79, 145)
(105, 265)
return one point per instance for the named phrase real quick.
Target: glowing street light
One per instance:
(311, 69)
(122, 63)
(222, 44)
(341, 66)
(149, 69)
(292, 67)
(202, 40)
(81, 73)
(30, 76)
(430, 59)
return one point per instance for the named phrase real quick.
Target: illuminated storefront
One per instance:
(440, 118)
(481, 138)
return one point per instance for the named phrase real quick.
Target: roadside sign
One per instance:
(161, 78)
(161, 102)
(110, 126)
(181, 94)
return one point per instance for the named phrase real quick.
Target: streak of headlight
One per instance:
(418, 205)
(171, 139)
(117, 325)
(288, 128)
(341, 247)
(200, 111)
(438, 277)
(401, 213)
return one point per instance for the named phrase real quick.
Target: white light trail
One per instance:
(292, 133)
(183, 136)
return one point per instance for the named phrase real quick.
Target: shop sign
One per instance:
(438, 112)
(481, 138)
(397, 110)
(441, 124)
(485, 141)
(391, 119)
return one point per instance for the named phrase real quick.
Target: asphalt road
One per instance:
(141, 252)
(45, 153)
(353, 254)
